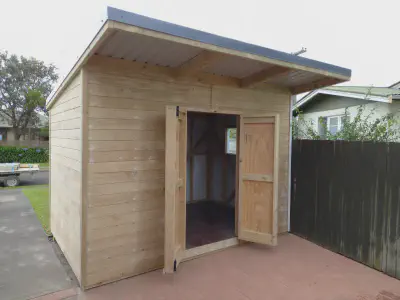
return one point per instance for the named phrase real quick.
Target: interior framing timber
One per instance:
(198, 63)
(164, 36)
(314, 85)
(263, 75)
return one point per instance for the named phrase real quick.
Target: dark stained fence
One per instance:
(346, 197)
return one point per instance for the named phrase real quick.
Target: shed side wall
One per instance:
(65, 174)
(125, 225)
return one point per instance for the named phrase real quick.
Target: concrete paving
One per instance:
(295, 269)
(28, 265)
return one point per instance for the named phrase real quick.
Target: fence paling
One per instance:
(346, 197)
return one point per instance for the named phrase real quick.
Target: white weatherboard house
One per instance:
(329, 104)
(144, 172)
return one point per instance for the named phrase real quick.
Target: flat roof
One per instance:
(130, 18)
(132, 37)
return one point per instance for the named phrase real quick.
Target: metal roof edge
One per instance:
(137, 20)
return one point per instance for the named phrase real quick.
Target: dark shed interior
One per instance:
(211, 180)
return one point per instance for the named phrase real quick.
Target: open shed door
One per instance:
(258, 179)
(175, 187)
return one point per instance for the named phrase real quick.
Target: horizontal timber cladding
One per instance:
(126, 143)
(66, 173)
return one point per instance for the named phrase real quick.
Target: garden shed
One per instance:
(168, 143)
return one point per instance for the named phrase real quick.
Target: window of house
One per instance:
(332, 124)
(230, 141)
(335, 123)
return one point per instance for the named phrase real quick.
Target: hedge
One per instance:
(23, 155)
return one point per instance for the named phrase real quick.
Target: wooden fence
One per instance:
(346, 197)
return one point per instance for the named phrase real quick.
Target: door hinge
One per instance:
(179, 183)
(175, 265)
(180, 114)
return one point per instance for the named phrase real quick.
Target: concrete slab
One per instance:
(28, 265)
(295, 269)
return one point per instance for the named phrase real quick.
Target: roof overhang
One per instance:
(189, 52)
(310, 96)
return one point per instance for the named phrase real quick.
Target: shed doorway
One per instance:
(211, 178)
(211, 200)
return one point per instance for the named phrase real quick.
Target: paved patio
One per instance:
(28, 265)
(296, 269)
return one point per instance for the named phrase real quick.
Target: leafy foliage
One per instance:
(23, 155)
(25, 84)
(45, 132)
(365, 126)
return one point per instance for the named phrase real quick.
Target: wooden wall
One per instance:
(125, 209)
(65, 174)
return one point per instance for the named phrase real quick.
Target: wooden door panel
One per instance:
(175, 187)
(259, 141)
(257, 213)
(258, 179)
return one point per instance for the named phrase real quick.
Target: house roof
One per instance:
(364, 90)
(395, 85)
(134, 37)
(378, 94)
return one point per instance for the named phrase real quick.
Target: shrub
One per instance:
(23, 155)
(364, 126)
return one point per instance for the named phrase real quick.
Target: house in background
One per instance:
(395, 85)
(329, 104)
(32, 131)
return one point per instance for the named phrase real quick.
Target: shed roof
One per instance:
(212, 39)
(134, 37)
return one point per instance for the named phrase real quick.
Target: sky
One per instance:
(359, 35)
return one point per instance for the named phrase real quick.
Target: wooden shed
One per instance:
(167, 143)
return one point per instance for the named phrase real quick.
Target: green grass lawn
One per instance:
(39, 198)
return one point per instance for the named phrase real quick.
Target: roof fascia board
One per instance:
(101, 35)
(343, 94)
(222, 44)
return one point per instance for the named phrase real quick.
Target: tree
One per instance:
(45, 132)
(25, 83)
(363, 127)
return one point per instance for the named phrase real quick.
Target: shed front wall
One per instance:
(126, 144)
(65, 173)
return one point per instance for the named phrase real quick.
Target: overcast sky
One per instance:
(356, 34)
